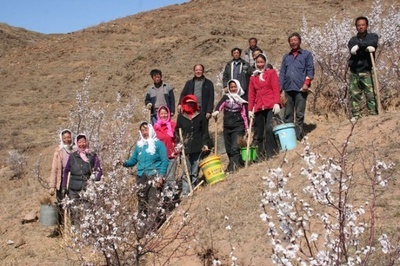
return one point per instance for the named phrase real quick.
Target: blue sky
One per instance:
(63, 16)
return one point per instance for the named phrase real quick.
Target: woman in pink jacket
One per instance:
(264, 103)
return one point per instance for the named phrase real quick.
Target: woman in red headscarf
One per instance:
(195, 136)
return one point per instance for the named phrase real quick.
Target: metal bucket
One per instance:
(48, 214)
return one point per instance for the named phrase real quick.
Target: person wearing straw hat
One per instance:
(360, 47)
(159, 94)
(150, 156)
(235, 122)
(60, 159)
(264, 103)
(193, 124)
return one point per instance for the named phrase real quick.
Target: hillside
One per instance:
(40, 75)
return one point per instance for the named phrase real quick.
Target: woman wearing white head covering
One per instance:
(150, 156)
(60, 158)
(235, 122)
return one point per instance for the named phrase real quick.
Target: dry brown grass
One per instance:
(40, 80)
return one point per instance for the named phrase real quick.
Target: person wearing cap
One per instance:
(202, 88)
(360, 47)
(235, 122)
(237, 69)
(296, 74)
(150, 156)
(159, 94)
(264, 103)
(60, 158)
(82, 165)
(195, 136)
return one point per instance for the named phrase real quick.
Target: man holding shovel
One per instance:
(360, 63)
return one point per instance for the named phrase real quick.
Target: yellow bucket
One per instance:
(212, 169)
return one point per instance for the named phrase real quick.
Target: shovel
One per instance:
(248, 141)
(185, 167)
(216, 136)
(376, 83)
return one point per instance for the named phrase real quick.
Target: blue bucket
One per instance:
(285, 136)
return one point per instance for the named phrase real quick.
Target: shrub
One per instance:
(17, 163)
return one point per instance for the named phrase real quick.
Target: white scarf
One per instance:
(150, 141)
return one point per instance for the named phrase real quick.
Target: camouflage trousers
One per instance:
(362, 83)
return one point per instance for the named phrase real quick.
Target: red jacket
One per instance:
(264, 94)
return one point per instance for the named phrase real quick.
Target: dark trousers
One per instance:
(231, 138)
(296, 105)
(267, 146)
(148, 203)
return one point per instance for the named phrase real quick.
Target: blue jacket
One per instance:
(294, 70)
(149, 164)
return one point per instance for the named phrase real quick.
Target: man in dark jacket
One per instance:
(360, 64)
(159, 94)
(202, 88)
(238, 69)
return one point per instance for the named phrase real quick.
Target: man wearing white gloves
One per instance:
(360, 64)
(264, 103)
(297, 71)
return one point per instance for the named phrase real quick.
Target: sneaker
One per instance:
(354, 119)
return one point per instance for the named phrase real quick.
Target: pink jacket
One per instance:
(264, 91)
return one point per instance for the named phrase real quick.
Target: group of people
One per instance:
(252, 90)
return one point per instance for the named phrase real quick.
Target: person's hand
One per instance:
(354, 49)
(370, 49)
(52, 191)
(204, 148)
(178, 147)
(158, 182)
(226, 90)
(63, 192)
(276, 109)
(251, 114)
(118, 162)
(215, 114)
(304, 88)
(208, 115)
(179, 107)
(148, 106)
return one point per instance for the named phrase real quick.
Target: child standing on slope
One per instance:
(235, 122)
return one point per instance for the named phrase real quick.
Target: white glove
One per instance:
(370, 49)
(354, 49)
(215, 114)
(178, 147)
(149, 105)
(251, 114)
(276, 109)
